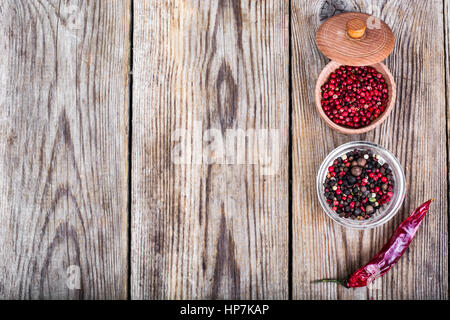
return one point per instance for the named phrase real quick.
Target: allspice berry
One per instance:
(362, 162)
(369, 209)
(356, 171)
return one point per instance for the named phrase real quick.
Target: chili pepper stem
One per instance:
(341, 282)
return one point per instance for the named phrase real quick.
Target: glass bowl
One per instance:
(388, 210)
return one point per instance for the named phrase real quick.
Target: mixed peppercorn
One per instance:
(354, 97)
(358, 184)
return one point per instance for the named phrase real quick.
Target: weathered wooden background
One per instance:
(91, 94)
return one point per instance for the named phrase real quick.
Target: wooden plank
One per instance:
(415, 132)
(447, 70)
(198, 230)
(63, 140)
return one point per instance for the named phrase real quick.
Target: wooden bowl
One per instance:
(392, 92)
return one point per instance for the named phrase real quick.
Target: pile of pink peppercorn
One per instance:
(358, 184)
(354, 97)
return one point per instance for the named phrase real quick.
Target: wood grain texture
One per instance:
(202, 231)
(63, 147)
(208, 231)
(447, 78)
(415, 132)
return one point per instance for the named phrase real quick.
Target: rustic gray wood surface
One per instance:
(198, 230)
(73, 115)
(415, 132)
(64, 116)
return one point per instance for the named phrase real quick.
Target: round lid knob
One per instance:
(356, 28)
(355, 39)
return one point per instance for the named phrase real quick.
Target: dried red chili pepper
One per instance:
(389, 254)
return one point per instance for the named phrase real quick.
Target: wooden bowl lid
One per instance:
(355, 39)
